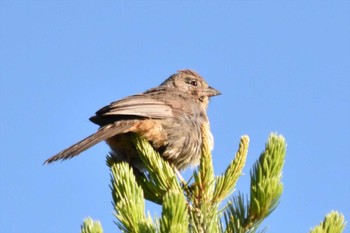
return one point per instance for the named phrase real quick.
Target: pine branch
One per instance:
(160, 176)
(91, 226)
(175, 217)
(245, 215)
(129, 202)
(224, 185)
(236, 214)
(194, 207)
(266, 187)
(333, 223)
(203, 214)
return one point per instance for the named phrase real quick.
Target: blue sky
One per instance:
(282, 66)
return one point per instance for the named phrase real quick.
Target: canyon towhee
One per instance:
(172, 117)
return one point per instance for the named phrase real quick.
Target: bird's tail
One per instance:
(102, 134)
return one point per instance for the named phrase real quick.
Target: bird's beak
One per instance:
(212, 92)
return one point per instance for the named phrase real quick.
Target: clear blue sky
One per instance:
(282, 66)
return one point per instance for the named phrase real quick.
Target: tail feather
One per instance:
(102, 134)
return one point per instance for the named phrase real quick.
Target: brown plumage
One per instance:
(171, 117)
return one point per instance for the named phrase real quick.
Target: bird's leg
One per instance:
(179, 176)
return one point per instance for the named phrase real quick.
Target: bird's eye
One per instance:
(192, 82)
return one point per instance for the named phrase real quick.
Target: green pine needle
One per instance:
(194, 207)
(160, 176)
(175, 217)
(266, 186)
(236, 214)
(204, 214)
(224, 185)
(333, 223)
(244, 214)
(129, 202)
(91, 226)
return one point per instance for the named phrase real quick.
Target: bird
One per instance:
(172, 117)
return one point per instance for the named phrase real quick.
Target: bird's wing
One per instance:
(135, 106)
